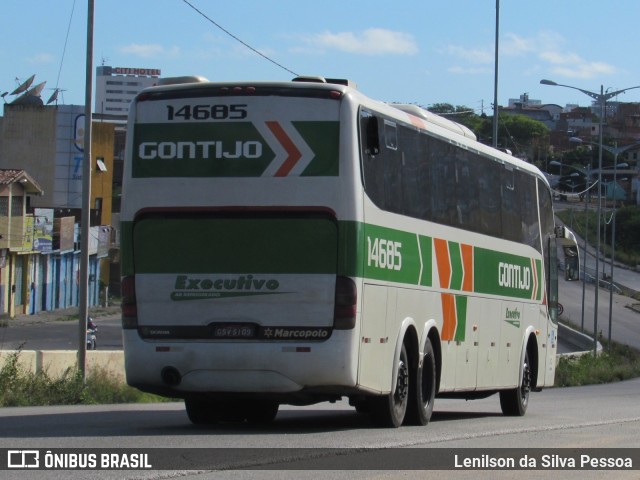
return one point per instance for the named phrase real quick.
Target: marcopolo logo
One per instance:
(194, 288)
(296, 333)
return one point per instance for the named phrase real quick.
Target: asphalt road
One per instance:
(625, 321)
(567, 420)
(60, 335)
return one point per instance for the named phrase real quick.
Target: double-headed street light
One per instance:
(601, 98)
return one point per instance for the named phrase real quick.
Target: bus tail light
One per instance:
(344, 313)
(129, 306)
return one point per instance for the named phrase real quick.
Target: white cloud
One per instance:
(149, 50)
(574, 66)
(477, 55)
(373, 41)
(469, 70)
(41, 58)
(546, 47)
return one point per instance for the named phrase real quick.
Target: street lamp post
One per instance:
(601, 98)
(587, 201)
(615, 151)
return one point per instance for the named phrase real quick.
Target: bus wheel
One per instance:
(514, 402)
(201, 412)
(422, 389)
(389, 410)
(262, 412)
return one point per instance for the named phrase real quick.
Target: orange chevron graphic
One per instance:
(294, 154)
(449, 320)
(467, 267)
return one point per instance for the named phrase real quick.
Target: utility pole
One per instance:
(86, 204)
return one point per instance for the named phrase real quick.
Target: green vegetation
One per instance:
(627, 231)
(620, 362)
(20, 387)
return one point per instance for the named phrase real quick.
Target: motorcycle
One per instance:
(92, 329)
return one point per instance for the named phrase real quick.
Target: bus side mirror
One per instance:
(373, 138)
(570, 253)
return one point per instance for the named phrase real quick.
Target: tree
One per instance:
(461, 114)
(628, 228)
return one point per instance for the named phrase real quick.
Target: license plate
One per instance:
(234, 331)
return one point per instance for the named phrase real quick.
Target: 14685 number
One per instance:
(207, 112)
(384, 254)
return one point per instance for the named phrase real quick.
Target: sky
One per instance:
(411, 51)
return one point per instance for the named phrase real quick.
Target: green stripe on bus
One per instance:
(461, 316)
(285, 245)
(500, 273)
(235, 245)
(456, 266)
(392, 255)
(323, 138)
(238, 149)
(426, 249)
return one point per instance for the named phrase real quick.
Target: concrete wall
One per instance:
(56, 362)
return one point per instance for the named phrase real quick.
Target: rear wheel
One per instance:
(514, 402)
(390, 410)
(422, 389)
(261, 412)
(201, 412)
(209, 412)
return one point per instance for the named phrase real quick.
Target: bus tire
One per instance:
(201, 412)
(514, 402)
(422, 389)
(262, 412)
(390, 410)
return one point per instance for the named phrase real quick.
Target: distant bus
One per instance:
(298, 242)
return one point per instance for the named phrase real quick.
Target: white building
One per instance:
(116, 87)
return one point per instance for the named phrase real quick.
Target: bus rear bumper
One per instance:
(181, 369)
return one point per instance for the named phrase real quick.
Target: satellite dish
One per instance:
(30, 97)
(37, 90)
(24, 86)
(54, 96)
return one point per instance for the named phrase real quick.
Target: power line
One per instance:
(66, 39)
(239, 40)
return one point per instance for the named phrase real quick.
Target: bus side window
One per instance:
(390, 135)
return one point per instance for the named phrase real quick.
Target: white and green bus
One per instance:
(298, 242)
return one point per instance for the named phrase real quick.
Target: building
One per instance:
(48, 142)
(116, 87)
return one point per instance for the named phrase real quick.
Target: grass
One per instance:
(20, 387)
(578, 220)
(620, 362)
